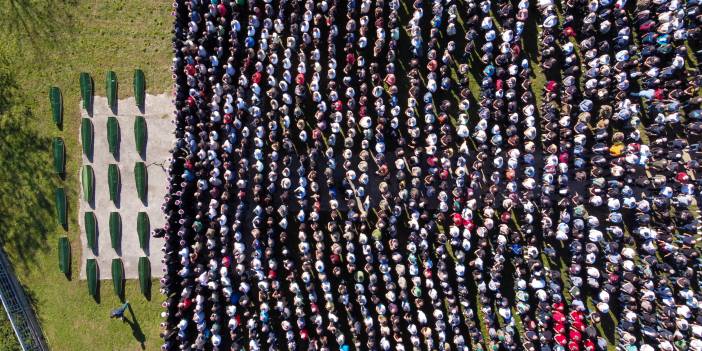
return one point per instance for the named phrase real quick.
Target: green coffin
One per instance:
(118, 277)
(139, 88)
(140, 134)
(64, 247)
(115, 230)
(90, 223)
(86, 89)
(111, 89)
(91, 271)
(61, 207)
(140, 179)
(145, 276)
(143, 229)
(87, 177)
(113, 181)
(112, 135)
(86, 136)
(56, 105)
(59, 151)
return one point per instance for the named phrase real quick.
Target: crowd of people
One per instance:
(434, 175)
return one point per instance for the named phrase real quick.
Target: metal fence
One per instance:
(18, 309)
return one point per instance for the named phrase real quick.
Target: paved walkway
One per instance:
(158, 112)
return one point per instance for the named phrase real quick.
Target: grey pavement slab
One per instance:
(158, 112)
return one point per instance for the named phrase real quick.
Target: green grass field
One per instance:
(49, 43)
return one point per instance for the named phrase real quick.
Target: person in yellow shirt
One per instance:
(616, 149)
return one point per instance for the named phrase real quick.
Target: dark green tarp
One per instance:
(115, 230)
(61, 207)
(143, 229)
(145, 276)
(92, 273)
(111, 89)
(113, 180)
(113, 135)
(118, 277)
(64, 247)
(140, 179)
(140, 134)
(139, 88)
(87, 177)
(86, 136)
(86, 89)
(56, 105)
(90, 222)
(59, 151)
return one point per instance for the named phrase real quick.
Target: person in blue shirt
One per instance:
(119, 311)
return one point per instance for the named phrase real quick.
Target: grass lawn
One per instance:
(50, 43)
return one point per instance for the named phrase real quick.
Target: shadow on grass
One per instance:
(31, 298)
(26, 180)
(136, 328)
(26, 186)
(8, 85)
(35, 22)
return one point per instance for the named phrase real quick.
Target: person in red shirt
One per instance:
(573, 346)
(190, 70)
(222, 10)
(256, 77)
(682, 177)
(551, 86)
(569, 32)
(575, 335)
(186, 304)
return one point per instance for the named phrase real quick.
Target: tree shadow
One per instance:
(26, 186)
(136, 328)
(35, 22)
(8, 85)
(31, 298)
